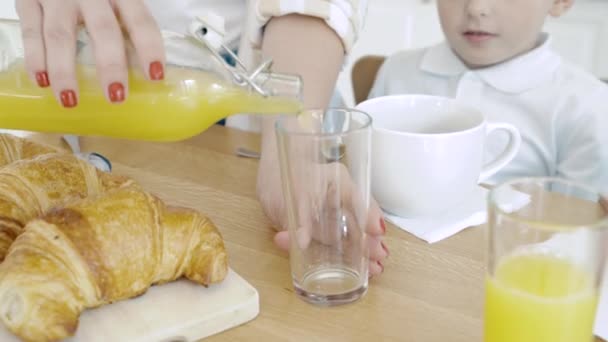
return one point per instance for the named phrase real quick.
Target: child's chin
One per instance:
(481, 60)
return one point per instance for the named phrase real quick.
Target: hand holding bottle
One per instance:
(49, 29)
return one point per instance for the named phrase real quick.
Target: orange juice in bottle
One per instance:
(188, 101)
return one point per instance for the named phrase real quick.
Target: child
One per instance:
(497, 59)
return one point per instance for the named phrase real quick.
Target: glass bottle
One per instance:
(190, 98)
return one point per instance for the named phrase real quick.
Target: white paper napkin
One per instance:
(471, 212)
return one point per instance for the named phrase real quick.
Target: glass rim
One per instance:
(600, 223)
(280, 127)
(480, 120)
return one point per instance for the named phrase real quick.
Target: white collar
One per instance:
(514, 76)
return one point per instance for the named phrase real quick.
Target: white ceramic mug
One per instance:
(428, 152)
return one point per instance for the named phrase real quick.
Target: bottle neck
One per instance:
(209, 31)
(280, 85)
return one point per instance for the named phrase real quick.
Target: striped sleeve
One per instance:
(345, 17)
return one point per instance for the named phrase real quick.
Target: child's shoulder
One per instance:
(576, 95)
(579, 82)
(399, 73)
(408, 55)
(404, 59)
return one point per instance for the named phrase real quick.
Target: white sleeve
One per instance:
(345, 17)
(582, 143)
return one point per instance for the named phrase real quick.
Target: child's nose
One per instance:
(479, 8)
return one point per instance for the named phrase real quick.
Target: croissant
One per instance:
(98, 251)
(29, 188)
(13, 148)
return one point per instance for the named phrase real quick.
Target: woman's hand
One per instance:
(271, 197)
(49, 30)
(306, 46)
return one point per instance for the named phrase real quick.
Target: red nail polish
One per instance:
(381, 266)
(385, 249)
(68, 98)
(156, 71)
(42, 78)
(383, 226)
(116, 92)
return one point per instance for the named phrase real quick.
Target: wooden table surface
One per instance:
(428, 293)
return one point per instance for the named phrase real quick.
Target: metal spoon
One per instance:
(247, 153)
(95, 159)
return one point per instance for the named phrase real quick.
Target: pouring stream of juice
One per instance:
(185, 103)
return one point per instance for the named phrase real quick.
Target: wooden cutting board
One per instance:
(175, 312)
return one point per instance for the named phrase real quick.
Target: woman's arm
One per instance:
(306, 46)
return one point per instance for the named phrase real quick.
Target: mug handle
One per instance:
(507, 155)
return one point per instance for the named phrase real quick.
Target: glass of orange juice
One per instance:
(545, 261)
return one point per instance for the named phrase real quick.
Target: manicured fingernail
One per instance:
(68, 98)
(385, 249)
(381, 266)
(42, 78)
(383, 226)
(116, 91)
(156, 71)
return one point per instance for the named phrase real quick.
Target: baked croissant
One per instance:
(28, 188)
(98, 251)
(13, 148)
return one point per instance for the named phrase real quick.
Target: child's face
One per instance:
(486, 32)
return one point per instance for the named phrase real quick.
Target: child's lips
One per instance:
(478, 36)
